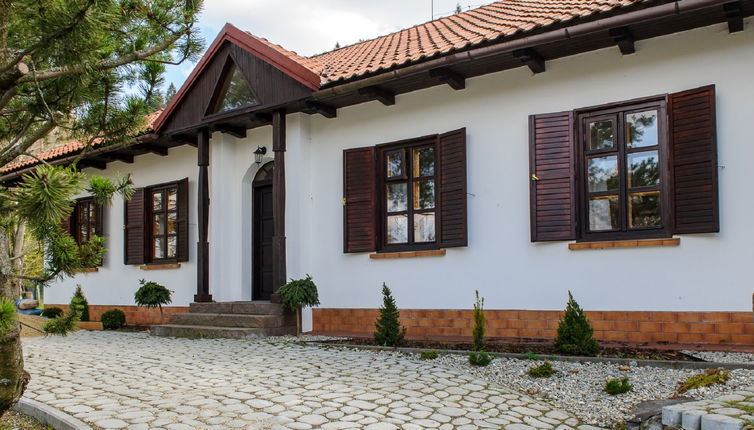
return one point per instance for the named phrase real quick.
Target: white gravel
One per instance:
(722, 357)
(578, 387)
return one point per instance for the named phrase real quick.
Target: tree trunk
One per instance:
(298, 321)
(13, 378)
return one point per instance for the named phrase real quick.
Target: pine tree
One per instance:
(479, 323)
(170, 93)
(80, 304)
(387, 328)
(458, 8)
(574, 332)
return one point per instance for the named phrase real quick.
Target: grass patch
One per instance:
(618, 386)
(530, 356)
(544, 370)
(480, 358)
(428, 355)
(705, 379)
(744, 406)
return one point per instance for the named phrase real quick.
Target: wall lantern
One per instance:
(259, 153)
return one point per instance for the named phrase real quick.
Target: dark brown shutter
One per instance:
(99, 219)
(551, 170)
(69, 223)
(135, 228)
(693, 155)
(452, 188)
(183, 220)
(359, 200)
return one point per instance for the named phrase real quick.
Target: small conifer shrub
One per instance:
(152, 295)
(428, 355)
(52, 312)
(63, 324)
(574, 332)
(298, 294)
(480, 358)
(113, 319)
(618, 386)
(79, 302)
(387, 328)
(479, 323)
(544, 370)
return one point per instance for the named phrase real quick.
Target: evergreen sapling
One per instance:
(387, 328)
(575, 335)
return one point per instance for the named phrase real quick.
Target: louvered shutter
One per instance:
(99, 220)
(183, 220)
(68, 223)
(453, 230)
(135, 228)
(552, 184)
(359, 200)
(693, 154)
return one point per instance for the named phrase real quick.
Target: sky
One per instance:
(310, 27)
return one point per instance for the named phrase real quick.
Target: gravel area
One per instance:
(578, 387)
(722, 357)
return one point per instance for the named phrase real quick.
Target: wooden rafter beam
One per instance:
(154, 149)
(454, 79)
(326, 111)
(735, 16)
(118, 156)
(382, 95)
(624, 39)
(531, 58)
(262, 117)
(97, 163)
(233, 130)
(185, 138)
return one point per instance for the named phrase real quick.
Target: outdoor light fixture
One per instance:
(259, 153)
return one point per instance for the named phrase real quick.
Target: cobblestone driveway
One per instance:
(134, 381)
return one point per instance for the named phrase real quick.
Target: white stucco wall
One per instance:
(706, 272)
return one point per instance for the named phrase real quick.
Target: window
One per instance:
(622, 152)
(163, 239)
(409, 178)
(87, 220)
(233, 91)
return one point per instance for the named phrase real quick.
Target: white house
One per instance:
(522, 149)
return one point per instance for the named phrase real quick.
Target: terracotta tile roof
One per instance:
(61, 148)
(463, 30)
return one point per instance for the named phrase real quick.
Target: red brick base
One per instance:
(134, 314)
(735, 328)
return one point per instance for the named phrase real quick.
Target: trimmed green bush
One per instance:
(152, 295)
(387, 328)
(479, 323)
(544, 370)
(618, 386)
(113, 319)
(480, 358)
(78, 302)
(575, 335)
(428, 355)
(63, 324)
(298, 294)
(52, 312)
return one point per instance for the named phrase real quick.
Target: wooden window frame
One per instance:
(149, 228)
(405, 146)
(618, 111)
(76, 219)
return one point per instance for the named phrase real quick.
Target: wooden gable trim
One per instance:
(245, 41)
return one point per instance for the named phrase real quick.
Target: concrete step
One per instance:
(251, 308)
(201, 332)
(233, 320)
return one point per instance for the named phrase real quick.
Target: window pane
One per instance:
(397, 199)
(424, 162)
(424, 194)
(644, 210)
(395, 164)
(641, 129)
(424, 227)
(158, 226)
(238, 94)
(397, 229)
(604, 213)
(643, 169)
(159, 247)
(172, 216)
(84, 233)
(157, 201)
(603, 173)
(601, 134)
(172, 199)
(172, 246)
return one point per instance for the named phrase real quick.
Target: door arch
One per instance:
(262, 231)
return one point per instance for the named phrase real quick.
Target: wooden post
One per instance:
(202, 246)
(279, 273)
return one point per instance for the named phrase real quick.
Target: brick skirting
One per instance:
(736, 328)
(134, 314)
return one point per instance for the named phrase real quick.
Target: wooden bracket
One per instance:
(154, 149)
(624, 39)
(326, 111)
(735, 16)
(235, 131)
(531, 58)
(453, 79)
(382, 95)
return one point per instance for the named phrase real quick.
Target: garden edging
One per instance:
(48, 415)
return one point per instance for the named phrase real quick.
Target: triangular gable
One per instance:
(232, 91)
(285, 65)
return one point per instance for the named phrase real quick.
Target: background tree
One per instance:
(68, 70)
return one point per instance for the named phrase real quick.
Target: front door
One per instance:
(262, 251)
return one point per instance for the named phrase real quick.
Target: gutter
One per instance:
(652, 13)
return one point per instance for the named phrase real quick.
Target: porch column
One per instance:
(202, 246)
(279, 274)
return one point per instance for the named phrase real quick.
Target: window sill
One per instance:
(408, 254)
(624, 244)
(87, 270)
(160, 266)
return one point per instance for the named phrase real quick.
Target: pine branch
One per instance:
(27, 141)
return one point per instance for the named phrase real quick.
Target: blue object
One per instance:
(28, 311)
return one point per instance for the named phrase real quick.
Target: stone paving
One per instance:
(728, 412)
(135, 381)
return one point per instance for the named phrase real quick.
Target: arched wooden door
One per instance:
(263, 223)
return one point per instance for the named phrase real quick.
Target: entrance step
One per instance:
(233, 320)
(252, 308)
(200, 331)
